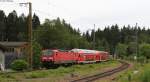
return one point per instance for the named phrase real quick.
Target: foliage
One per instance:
(36, 54)
(146, 76)
(58, 34)
(19, 65)
(132, 48)
(121, 50)
(35, 21)
(141, 59)
(112, 35)
(145, 50)
(14, 27)
(2, 24)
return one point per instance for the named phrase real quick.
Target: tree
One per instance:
(121, 50)
(132, 48)
(115, 37)
(22, 27)
(35, 21)
(144, 50)
(88, 37)
(11, 30)
(2, 25)
(36, 54)
(58, 34)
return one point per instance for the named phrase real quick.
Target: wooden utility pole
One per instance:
(30, 61)
(30, 34)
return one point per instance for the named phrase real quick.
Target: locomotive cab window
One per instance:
(47, 52)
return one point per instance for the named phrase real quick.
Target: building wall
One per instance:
(12, 54)
(9, 58)
(2, 59)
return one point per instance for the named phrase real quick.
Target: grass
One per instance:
(59, 73)
(139, 73)
(145, 76)
(36, 75)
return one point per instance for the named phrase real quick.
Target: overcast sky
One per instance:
(84, 13)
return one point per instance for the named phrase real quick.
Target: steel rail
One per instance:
(124, 66)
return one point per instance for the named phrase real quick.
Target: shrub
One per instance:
(19, 65)
(145, 77)
(37, 54)
(145, 50)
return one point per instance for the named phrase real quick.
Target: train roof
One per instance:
(87, 51)
(78, 51)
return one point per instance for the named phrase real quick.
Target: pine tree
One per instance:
(35, 21)
(2, 25)
(11, 29)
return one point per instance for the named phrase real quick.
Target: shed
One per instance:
(12, 51)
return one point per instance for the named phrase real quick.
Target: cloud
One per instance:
(84, 13)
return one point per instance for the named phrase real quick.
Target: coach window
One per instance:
(56, 53)
(79, 55)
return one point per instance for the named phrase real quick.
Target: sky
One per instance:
(83, 14)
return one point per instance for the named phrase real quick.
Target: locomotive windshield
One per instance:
(47, 52)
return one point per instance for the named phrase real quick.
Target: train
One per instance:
(55, 57)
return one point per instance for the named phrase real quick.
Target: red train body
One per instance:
(73, 56)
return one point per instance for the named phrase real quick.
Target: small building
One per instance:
(2, 57)
(13, 50)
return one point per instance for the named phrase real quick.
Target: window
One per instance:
(47, 52)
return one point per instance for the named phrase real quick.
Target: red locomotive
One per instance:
(74, 56)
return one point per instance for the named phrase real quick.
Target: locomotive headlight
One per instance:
(50, 58)
(44, 58)
(84, 57)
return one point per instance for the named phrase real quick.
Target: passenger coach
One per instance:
(75, 56)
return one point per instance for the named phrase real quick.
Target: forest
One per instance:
(56, 33)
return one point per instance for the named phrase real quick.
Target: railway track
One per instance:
(124, 66)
